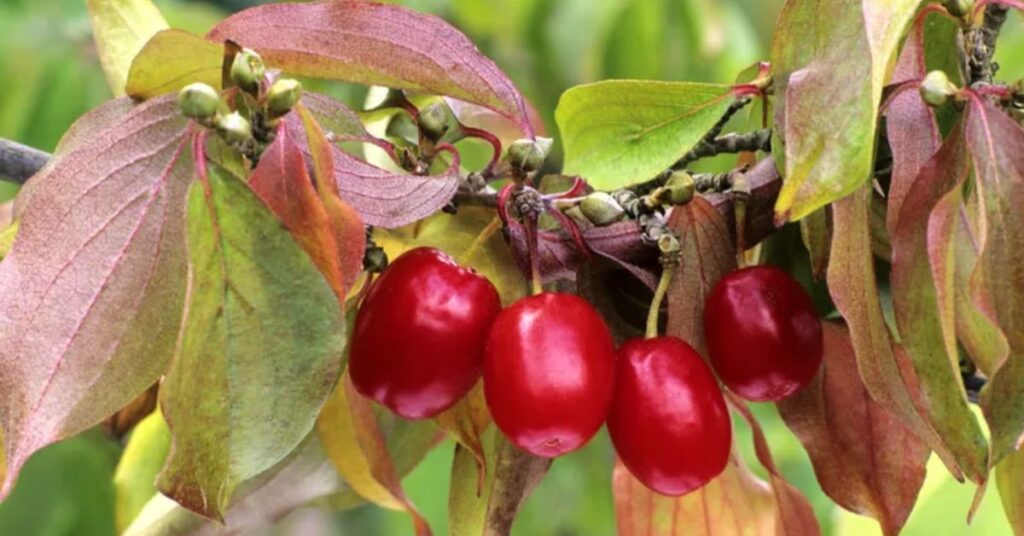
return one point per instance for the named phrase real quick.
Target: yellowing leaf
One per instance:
(7, 236)
(141, 461)
(121, 28)
(171, 60)
(619, 132)
(466, 422)
(259, 352)
(831, 59)
(353, 441)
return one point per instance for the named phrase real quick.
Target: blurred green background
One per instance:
(50, 76)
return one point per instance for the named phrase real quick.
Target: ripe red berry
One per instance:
(763, 335)
(549, 373)
(668, 419)
(419, 336)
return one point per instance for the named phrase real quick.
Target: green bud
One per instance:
(959, 8)
(199, 101)
(434, 121)
(936, 89)
(282, 96)
(679, 188)
(234, 127)
(601, 209)
(375, 260)
(528, 155)
(247, 70)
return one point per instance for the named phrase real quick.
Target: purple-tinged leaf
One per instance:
(708, 253)
(866, 460)
(92, 291)
(377, 44)
(922, 291)
(854, 289)
(910, 123)
(996, 144)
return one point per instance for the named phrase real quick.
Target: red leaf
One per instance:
(707, 255)
(92, 291)
(854, 289)
(922, 290)
(866, 460)
(996, 144)
(910, 123)
(378, 44)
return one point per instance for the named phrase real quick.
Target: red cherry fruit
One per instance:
(419, 336)
(549, 373)
(763, 335)
(668, 419)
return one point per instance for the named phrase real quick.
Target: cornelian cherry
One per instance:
(419, 336)
(668, 419)
(763, 335)
(549, 373)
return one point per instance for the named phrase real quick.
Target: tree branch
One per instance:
(19, 162)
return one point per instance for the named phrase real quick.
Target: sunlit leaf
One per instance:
(92, 290)
(888, 377)
(353, 441)
(863, 456)
(141, 461)
(7, 235)
(996, 144)
(707, 255)
(376, 44)
(619, 132)
(259, 353)
(830, 60)
(121, 28)
(171, 60)
(922, 291)
(512, 475)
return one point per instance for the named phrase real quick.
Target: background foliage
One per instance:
(51, 76)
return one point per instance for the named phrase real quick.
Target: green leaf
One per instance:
(259, 352)
(830, 60)
(922, 291)
(171, 60)
(619, 132)
(512, 476)
(143, 457)
(816, 233)
(1010, 481)
(121, 28)
(92, 290)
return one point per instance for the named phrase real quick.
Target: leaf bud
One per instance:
(234, 127)
(247, 70)
(282, 96)
(528, 155)
(199, 101)
(601, 209)
(679, 188)
(959, 8)
(434, 121)
(936, 89)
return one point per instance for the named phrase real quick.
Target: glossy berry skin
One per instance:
(763, 334)
(549, 373)
(418, 342)
(668, 420)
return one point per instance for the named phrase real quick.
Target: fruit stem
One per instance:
(480, 239)
(536, 287)
(740, 195)
(669, 246)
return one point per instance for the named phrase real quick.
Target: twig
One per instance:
(980, 45)
(758, 140)
(19, 162)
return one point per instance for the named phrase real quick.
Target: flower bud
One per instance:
(959, 8)
(679, 188)
(434, 121)
(282, 96)
(247, 70)
(199, 101)
(528, 155)
(936, 89)
(234, 127)
(601, 209)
